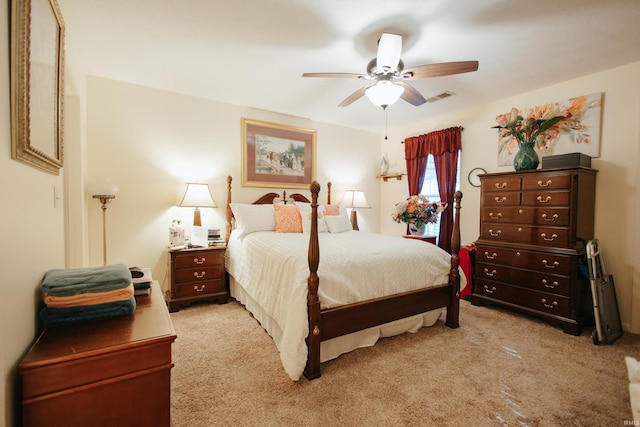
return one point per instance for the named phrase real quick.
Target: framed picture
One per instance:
(275, 155)
(37, 41)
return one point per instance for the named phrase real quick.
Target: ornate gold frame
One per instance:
(37, 64)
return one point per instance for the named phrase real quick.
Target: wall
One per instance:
(617, 203)
(33, 242)
(151, 142)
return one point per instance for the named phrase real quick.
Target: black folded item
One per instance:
(142, 285)
(136, 272)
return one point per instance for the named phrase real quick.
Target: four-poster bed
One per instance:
(330, 322)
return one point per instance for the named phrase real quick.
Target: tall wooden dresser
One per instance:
(111, 372)
(534, 226)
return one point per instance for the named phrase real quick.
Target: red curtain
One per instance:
(443, 145)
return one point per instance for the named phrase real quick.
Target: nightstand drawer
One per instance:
(195, 289)
(199, 258)
(199, 274)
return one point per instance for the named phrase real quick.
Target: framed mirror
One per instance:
(37, 53)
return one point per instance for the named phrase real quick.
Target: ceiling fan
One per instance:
(389, 76)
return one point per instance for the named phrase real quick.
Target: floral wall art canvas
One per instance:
(577, 132)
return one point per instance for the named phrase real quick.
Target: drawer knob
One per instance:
(552, 305)
(496, 216)
(490, 274)
(199, 275)
(492, 256)
(545, 200)
(501, 186)
(500, 199)
(199, 261)
(199, 288)
(549, 239)
(546, 217)
(550, 286)
(546, 264)
(489, 291)
(544, 184)
(496, 234)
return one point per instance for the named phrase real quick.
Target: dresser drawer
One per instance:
(539, 261)
(540, 236)
(501, 183)
(199, 274)
(547, 181)
(198, 258)
(526, 215)
(501, 198)
(541, 301)
(546, 198)
(199, 288)
(529, 279)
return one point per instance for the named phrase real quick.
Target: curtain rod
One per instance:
(461, 129)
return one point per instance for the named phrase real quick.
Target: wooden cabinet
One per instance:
(197, 274)
(534, 227)
(112, 372)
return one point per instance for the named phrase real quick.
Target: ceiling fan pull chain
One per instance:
(385, 124)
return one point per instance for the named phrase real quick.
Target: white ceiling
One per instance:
(253, 52)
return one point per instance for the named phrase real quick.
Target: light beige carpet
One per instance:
(498, 369)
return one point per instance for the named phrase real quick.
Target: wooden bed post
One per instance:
(312, 369)
(229, 213)
(453, 309)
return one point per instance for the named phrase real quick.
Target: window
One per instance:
(430, 191)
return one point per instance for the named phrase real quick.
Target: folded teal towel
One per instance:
(86, 313)
(74, 281)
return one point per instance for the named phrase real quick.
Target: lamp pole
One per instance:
(105, 200)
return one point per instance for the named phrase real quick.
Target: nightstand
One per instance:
(430, 239)
(197, 274)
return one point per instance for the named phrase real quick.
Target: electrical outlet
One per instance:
(56, 197)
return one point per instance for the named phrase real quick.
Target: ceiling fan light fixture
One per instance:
(384, 93)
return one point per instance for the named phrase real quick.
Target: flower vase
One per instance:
(416, 231)
(526, 158)
(384, 166)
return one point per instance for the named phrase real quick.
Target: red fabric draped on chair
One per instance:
(443, 145)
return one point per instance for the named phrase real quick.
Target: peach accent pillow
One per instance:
(288, 219)
(332, 210)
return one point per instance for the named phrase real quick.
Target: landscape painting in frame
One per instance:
(578, 132)
(275, 155)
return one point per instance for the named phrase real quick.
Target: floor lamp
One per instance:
(105, 191)
(354, 199)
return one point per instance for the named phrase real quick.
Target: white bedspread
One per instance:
(272, 269)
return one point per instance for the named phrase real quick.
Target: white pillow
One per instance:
(250, 218)
(337, 223)
(305, 212)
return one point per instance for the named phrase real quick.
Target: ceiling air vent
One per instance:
(443, 95)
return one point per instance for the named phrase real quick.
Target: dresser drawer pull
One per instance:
(550, 239)
(199, 276)
(552, 305)
(550, 286)
(500, 199)
(546, 264)
(546, 218)
(496, 234)
(199, 261)
(545, 200)
(496, 216)
(544, 184)
(486, 272)
(199, 288)
(489, 291)
(492, 256)
(500, 186)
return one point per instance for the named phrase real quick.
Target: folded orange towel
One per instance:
(89, 298)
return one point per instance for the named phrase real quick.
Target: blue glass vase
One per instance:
(526, 158)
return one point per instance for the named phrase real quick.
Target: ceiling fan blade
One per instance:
(335, 75)
(389, 50)
(441, 69)
(354, 96)
(411, 95)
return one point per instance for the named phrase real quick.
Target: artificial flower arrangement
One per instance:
(417, 210)
(539, 125)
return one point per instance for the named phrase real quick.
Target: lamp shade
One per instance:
(197, 196)
(103, 187)
(384, 93)
(354, 199)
